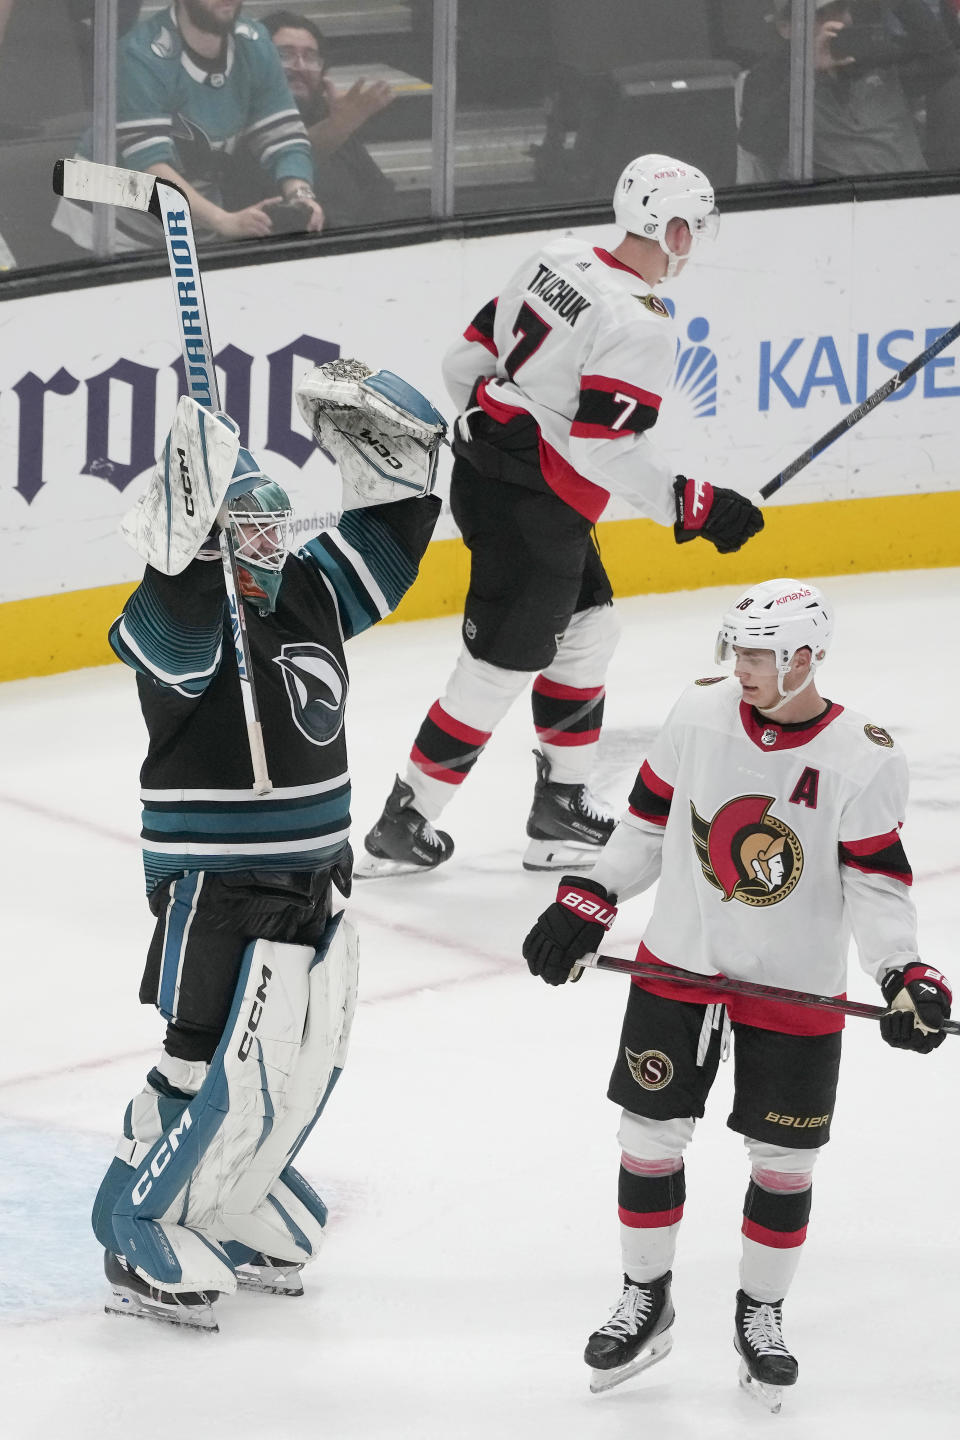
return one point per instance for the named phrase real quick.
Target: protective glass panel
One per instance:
(46, 97)
(554, 97)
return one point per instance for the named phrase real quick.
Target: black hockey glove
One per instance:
(919, 999)
(724, 517)
(573, 926)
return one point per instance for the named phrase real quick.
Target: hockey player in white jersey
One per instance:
(559, 382)
(771, 818)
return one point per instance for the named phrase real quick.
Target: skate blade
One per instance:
(270, 1279)
(183, 1317)
(560, 855)
(769, 1396)
(372, 867)
(658, 1350)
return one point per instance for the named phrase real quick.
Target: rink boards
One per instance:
(785, 325)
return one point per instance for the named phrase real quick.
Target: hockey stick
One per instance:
(84, 180)
(848, 421)
(723, 985)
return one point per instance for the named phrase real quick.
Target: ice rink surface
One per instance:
(469, 1155)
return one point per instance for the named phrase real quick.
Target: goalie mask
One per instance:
(260, 523)
(783, 616)
(653, 190)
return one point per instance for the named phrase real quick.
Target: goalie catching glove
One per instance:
(724, 517)
(384, 435)
(919, 999)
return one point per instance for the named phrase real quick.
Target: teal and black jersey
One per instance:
(199, 808)
(177, 109)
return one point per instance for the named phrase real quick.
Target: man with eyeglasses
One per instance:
(195, 83)
(354, 189)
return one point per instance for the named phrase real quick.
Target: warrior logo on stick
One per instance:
(746, 852)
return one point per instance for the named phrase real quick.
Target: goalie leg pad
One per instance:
(170, 1086)
(209, 1178)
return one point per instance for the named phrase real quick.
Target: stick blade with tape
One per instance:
(103, 184)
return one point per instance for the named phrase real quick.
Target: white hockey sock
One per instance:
(648, 1254)
(766, 1273)
(456, 728)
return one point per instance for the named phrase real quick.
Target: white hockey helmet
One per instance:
(782, 616)
(655, 189)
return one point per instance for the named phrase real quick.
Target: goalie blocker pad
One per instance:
(383, 433)
(223, 1172)
(201, 467)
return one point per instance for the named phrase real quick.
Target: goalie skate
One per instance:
(766, 1365)
(637, 1335)
(265, 1276)
(567, 827)
(135, 1298)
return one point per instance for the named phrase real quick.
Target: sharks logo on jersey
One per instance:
(317, 687)
(746, 852)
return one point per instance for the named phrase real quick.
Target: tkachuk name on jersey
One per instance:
(558, 293)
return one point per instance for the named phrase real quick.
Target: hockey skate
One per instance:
(636, 1336)
(402, 841)
(567, 826)
(766, 1365)
(265, 1276)
(131, 1296)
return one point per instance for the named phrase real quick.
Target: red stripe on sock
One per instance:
(776, 1239)
(650, 1219)
(660, 820)
(456, 728)
(543, 686)
(434, 771)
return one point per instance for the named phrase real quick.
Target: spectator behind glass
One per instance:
(875, 63)
(353, 188)
(193, 82)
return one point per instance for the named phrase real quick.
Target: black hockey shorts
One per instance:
(785, 1086)
(205, 921)
(533, 564)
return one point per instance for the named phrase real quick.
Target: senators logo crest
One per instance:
(746, 852)
(652, 1070)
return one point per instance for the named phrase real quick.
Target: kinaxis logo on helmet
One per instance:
(746, 852)
(316, 688)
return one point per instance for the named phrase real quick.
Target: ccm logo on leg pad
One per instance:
(256, 1013)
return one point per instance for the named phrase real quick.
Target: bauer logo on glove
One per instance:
(384, 435)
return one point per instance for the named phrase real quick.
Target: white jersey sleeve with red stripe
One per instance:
(630, 861)
(582, 344)
(472, 355)
(874, 870)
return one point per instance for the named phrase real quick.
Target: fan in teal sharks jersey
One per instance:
(194, 82)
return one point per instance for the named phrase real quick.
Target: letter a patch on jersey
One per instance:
(805, 790)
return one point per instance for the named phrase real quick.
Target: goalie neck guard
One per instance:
(780, 615)
(260, 522)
